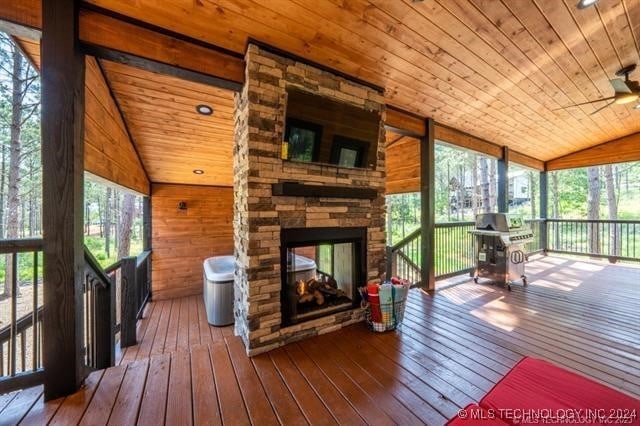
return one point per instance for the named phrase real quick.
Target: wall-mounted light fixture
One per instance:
(583, 4)
(182, 205)
(204, 109)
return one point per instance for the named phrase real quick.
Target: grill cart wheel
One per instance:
(475, 280)
(524, 280)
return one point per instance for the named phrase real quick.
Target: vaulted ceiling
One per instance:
(496, 69)
(171, 137)
(499, 70)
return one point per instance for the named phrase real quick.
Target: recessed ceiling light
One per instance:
(637, 106)
(583, 4)
(198, 172)
(204, 109)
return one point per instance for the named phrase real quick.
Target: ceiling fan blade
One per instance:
(602, 107)
(585, 103)
(619, 85)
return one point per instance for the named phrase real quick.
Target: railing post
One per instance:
(105, 320)
(147, 237)
(503, 181)
(389, 272)
(63, 70)
(544, 210)
(128, 302)
(427, 205)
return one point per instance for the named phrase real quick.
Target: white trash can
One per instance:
(218, 289)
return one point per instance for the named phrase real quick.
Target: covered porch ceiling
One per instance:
(496, 70)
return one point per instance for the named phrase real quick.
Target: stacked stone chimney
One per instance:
(259, 216)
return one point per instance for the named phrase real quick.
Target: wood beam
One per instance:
(464, 140)
(404, 123)
(21, 18)
(427, 206)
(63, 68)
(455, 137)
(525, 160)
(503, 181)
(619, 150)
(111, 38)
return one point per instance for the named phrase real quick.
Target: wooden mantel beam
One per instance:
(619, 150)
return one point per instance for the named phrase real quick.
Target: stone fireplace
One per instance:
(289, 213)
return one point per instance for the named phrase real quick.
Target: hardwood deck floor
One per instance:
(452, 348)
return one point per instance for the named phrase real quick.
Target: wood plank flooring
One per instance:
(451, 350)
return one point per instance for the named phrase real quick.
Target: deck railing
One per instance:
(611, 239)
(455, 249)
(403, 258)
(132, 279)
(20, 310)
(455, 252)
(99, 315)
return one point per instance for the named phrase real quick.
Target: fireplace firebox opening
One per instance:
(322, 269)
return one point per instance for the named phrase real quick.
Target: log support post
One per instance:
(544, 210)
(427, 205)
(62, 75)
(503, 181)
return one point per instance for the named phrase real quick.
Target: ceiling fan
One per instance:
(626, 91)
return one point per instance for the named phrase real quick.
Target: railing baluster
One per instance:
(14, 309)
(34, 315)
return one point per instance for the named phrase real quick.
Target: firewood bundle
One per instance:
(317, 290)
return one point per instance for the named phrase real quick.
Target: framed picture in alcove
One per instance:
(303, 138)
(347, 152)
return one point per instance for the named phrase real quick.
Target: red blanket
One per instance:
(538, 392)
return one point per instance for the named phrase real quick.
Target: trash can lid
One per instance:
(220, 268)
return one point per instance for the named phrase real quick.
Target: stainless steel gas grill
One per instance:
(500, 240)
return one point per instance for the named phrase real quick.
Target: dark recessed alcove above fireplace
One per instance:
(321, 271)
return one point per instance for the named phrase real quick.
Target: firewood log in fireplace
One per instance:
(314, 290)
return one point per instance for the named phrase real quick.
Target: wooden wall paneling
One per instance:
(403, 166)
(109, 152)
(182, 239)
(171, 137)
(617, 151)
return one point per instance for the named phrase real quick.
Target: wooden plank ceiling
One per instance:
(170, 136)
(494, 69)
